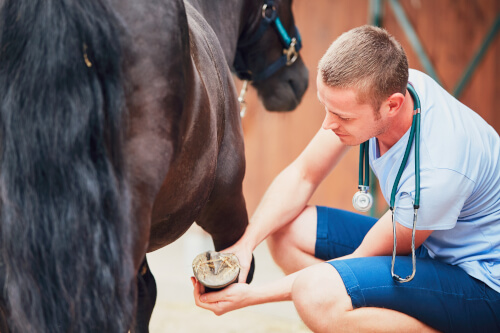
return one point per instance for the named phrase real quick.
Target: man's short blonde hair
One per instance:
(369, 60)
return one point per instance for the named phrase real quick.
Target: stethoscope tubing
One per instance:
(364, 157)
(414, 136)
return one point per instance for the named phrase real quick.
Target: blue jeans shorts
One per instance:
(442, 296)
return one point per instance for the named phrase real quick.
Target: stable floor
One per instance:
(175, 310)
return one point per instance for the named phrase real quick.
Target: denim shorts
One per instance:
(442, 296)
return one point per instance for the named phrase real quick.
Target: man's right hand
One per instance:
(244, 255)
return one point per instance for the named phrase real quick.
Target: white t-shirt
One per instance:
(459, 182)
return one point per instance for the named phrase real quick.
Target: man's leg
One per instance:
(318, 234)
(322, 302)
(359, 294)
(292, 247)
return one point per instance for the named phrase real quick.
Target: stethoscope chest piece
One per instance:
(362, 200)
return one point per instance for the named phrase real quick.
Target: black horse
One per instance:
(119, 127)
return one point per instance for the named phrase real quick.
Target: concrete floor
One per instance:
(175, 310)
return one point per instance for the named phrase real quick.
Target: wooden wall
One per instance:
(450, 31)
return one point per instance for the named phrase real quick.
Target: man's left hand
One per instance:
(233, 297)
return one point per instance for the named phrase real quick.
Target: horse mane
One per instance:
(65, 229)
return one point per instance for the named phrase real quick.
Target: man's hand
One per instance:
(228, 299)
(244, 255)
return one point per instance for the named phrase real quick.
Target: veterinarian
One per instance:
(438, 165)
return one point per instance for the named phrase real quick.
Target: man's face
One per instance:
(352, 122)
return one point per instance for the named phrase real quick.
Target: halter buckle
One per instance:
(264, 8)
(291, 53)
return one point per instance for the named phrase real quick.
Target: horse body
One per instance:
(211, 150)
(202, 179)
(210, 191)
(183, 147)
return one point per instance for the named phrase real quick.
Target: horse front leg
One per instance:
(146, 284)
(146, 298)
(3, 322)
(3, 311)
(225, 216)
(225, 219)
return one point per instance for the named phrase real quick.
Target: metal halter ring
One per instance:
(264, 10)
(291, 52)
(241, 99)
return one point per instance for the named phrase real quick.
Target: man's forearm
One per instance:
(275, 291)
(285, 198)
(241, 295)
(293, 187)
(379, 240)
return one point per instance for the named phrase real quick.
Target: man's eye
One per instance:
(336, 115)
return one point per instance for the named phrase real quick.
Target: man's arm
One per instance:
(377, 242)
(241, 295)
(289, 193)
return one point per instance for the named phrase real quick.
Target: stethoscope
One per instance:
(363, 200)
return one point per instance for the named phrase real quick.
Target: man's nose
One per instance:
(330, 122)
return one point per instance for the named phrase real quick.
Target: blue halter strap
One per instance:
(292, 45)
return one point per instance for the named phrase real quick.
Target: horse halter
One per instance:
(291, 45)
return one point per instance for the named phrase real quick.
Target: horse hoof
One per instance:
(251, 271)
(216, 270)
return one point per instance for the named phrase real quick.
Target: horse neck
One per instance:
(228, 19)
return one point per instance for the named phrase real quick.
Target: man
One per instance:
(362, 84)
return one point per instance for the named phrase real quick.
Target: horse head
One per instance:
(268, 54)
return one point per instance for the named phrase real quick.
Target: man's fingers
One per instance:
(209, 301)
(213, 297)
(201, 296)
(196, 289)
(201, 287)
(243, 275)
(198, 293)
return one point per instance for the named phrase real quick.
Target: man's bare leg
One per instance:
(292, 247)
(322, 302)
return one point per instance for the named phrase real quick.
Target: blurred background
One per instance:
(455, 41)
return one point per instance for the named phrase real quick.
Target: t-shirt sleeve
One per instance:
(443, 193)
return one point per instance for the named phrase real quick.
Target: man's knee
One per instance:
(320, 297)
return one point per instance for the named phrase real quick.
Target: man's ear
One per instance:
(393, 104)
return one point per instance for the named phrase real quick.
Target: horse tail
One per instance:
(65, 232)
